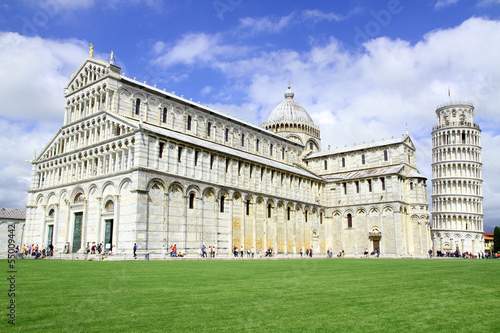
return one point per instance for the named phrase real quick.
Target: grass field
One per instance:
(347, 295)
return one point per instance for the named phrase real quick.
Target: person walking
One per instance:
(135, 250)
(163, 251)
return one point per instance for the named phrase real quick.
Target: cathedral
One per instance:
(133, 163)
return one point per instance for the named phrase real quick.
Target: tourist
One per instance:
(242, 251)
(163, 250)
(301, 252)
(174, 251)
(430, 253)
(135, 250)
(253, 252)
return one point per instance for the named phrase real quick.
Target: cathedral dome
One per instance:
(289, 111)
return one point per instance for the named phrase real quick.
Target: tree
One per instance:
(496, 240)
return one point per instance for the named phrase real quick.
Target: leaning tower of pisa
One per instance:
(457, 201)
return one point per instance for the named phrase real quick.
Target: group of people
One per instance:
(458, 254)
(309, 252)
(172, 252)
(35, 251)
(211, 250)
(94, 248)
(241, 252)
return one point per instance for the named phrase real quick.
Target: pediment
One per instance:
(91, 70)
(409, 142)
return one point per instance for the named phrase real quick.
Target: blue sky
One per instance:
(364, 70)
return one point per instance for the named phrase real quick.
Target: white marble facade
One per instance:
(136, 164)
(457, 185)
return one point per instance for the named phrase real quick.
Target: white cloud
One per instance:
(196, 49)
(266, 24)
(444, 3)
(318, 15)
(34, 72)
(206, 90)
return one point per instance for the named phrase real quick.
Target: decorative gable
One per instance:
(90, 71)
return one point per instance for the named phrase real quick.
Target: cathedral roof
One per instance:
(289, 111)
(374, 144)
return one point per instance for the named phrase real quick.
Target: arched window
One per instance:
(326, 165)
(271, 150)
(191, 200)
(311, 146)
(51, 213)
(79, 198)
(248, 207)
(411, 185)
(109, 206)
(226, 135)
(349, 220)
(222, 199)
(363, 159)
(305, 215)
(343, 162)
(269, 207)
(188, 124)
(243, 140)
(386, 155)
(288, 213)
(164, 115)
(257, 145)
(209, 128)
(137, 106)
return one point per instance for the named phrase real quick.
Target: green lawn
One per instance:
(343, 295)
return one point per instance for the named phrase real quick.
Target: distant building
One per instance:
(489, 241)
(135, 164)
(15, 218)
(457, 185)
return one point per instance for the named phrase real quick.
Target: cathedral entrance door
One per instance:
(77, 233)
(376, 245)
(108, 234)
(50, 234)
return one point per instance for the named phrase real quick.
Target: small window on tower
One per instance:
(164, 115)
(160, 149)
(137, 106)
(191, 200)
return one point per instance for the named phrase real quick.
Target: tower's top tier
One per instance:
(455, 114)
